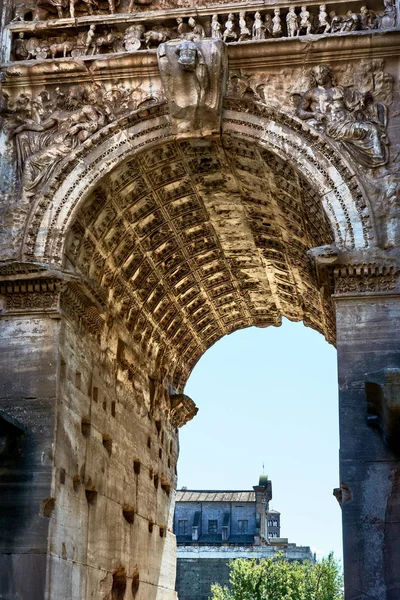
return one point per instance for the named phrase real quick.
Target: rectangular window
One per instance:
(212, 526)
(182, 527)
(243, 526)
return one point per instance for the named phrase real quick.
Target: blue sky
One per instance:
(269, 396)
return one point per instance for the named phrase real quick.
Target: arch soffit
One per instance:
(319, 161)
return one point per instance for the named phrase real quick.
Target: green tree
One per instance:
(279, 579)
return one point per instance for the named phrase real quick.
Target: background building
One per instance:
(214, 526)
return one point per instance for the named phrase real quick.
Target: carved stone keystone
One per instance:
(193, 77)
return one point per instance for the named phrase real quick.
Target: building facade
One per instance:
(215, 526)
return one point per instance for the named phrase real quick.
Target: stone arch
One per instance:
(345, 201)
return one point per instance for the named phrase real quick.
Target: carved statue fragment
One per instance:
(276, 23)
(347, 116)
(322, 24)
(383, 405)
(230, 34)
(292, 23)
(216, 27)
(258, 27)
(304, 21)
(244, 30)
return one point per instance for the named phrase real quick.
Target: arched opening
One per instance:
(268, 398)
(168, 246)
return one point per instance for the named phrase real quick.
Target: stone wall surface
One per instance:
(168, 177)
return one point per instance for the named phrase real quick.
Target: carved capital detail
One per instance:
(32, 295)
(354, 279)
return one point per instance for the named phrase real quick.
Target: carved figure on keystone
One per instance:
(191, 74)
(347, 116)
(382, 390)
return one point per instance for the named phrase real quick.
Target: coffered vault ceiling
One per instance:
(196, 239)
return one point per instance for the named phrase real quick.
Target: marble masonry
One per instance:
(172, 171)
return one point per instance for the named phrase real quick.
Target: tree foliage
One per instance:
(279, 579)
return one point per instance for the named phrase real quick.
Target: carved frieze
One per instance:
(30, 295)
(355, 279)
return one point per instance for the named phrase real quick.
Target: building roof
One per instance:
(215, 496)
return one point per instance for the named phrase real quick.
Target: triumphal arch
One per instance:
(173, 171)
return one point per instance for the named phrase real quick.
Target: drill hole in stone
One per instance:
(91, 497)
(135, 581)
(62, 476)
(119, 584)
(165, 485)
(136, 466)
(76, 482)
(160, 453)
(162, 531)
(113, 409)
(129, 513)
(85, 427)
(151, 525)
(148, 442)
(158, 427)
(155, 481)
(95, 394)
(107, 443)
(48, 506)
(78, 380)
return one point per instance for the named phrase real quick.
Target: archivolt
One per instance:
(192, 239)
(294, 141)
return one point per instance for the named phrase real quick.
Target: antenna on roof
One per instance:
(263, 468)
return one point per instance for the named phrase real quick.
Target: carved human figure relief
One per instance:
(347, 116)
(192, 75)
(292, 22)
(258, 27)
(276, 23)
(305, 23)
(216, 27)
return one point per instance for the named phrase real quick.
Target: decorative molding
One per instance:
(355, 279)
